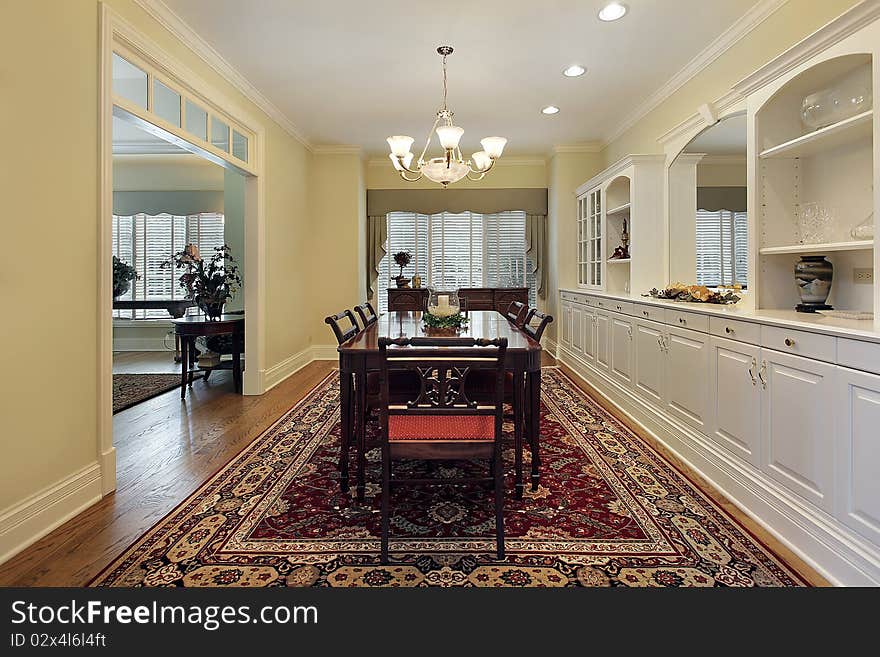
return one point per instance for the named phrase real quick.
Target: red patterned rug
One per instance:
(610, 511)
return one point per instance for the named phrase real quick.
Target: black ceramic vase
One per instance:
(813, 275)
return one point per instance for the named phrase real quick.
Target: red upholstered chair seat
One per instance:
(441, 427)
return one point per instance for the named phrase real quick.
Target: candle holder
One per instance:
(443, 316)
(443, 303)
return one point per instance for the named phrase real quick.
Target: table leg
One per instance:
(184, 356)
(533, 383)
(192, 359)
(176, 348)
(236, 363)
(360, 387)
(345, 416)
(518, 407)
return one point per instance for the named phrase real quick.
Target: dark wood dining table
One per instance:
(360, 356)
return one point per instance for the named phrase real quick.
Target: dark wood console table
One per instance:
(402, 299)
(190, 328)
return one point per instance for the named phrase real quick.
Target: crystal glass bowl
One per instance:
(847, 97)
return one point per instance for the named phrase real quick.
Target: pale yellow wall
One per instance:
(336, 240)
(791, 23)
(567, 171)
(51, 238)
(165, 173)
(522, 172)
(721, 175)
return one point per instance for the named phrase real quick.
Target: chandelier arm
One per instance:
(416, 179)
(479, 176)
(428, 139)
(487, 169)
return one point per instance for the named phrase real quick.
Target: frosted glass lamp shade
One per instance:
(400, 144)
(436, 169)
(407, 160)
(449, 135)
(493, 146)
(481, 160)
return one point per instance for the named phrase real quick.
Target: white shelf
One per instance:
(614, 261)
(858, 245)
(620, 209)
(837, 134)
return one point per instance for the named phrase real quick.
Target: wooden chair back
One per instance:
(516, 313)
(535, 331)
(343, 334)
(367, 314)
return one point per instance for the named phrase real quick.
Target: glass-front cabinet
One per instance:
(590, 261)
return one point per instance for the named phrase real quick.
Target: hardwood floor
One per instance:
(165, 451)
(145, 362)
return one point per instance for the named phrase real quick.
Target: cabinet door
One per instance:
(798, 431)
(577, 320)
(857, 442)
(622, 348)
(589, 333)
(566, 323)
(687, 377)
(603, 339)
(650, 361)
(736, 397)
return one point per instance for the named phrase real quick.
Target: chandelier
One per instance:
(451, 167)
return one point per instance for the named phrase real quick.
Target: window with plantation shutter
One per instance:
(455, 250)
(722, 248)
(146, 241)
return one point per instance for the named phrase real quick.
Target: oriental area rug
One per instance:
(132, 389)
(610, 511)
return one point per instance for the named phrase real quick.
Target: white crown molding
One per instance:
(583, 147)
(617, 167)
(697, 120)
(330, 149)
(848, 23)
(729, 38)
(163, 15)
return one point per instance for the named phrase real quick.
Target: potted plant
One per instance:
(209, 283)
(123, 275)
(402, 259)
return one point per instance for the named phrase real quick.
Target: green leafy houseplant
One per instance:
(123, 275)
(210, 283)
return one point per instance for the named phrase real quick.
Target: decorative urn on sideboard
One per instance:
(813, 275)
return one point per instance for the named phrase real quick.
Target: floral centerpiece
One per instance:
(694, 294)
(123, 275)
(209, 283)
(401, 259)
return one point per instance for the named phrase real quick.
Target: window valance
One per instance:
(433, 201)
(722, 198)
(180, 203)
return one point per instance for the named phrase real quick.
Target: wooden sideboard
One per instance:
(476, 298)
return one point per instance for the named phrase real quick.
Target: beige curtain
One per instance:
(536, 249)
(377, 233)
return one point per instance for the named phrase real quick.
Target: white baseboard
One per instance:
(140, 344)
(551, 347)
(840, 555)
(28, 521)
(274, 375)
(324, 352)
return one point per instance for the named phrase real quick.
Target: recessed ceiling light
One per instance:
(550, 109)
(573, 71)
(612, 11)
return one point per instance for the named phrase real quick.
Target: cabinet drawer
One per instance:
(622, 307)
(802, 343)
(735, 329)
(682, 319)
(859, 355)
(571, 296)
(653, 313)
(600, 302)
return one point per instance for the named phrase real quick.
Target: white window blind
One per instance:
(722, 248)
(452, 251)
(146, 241)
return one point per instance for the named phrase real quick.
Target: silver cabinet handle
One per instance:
(752, 371)
(629, 332)
(729, 330)
(660, 341)
(645, 313)
(761, 374)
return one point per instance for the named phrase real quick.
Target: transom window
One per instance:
(452, 251)
(146, 241)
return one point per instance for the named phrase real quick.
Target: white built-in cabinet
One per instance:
(767, 400)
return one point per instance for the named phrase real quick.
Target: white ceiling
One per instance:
(352, 72)
(727, 137)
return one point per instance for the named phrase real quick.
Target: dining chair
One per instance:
(440, 422)
(367, 313)
(343, 334)
(533, 331)
(516, 313)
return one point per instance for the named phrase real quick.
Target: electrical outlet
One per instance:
(863, 275)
